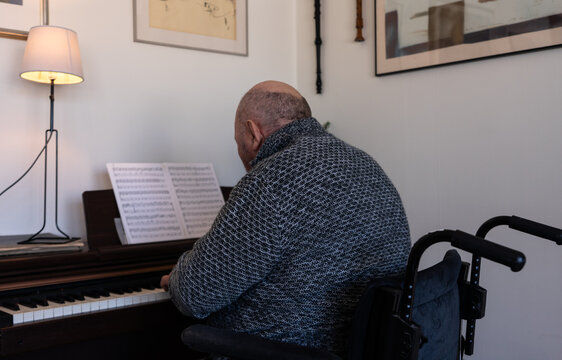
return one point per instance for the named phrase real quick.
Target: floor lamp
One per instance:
(51, 57)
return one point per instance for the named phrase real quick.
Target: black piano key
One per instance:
(95, 294)
(67, 298)
(10, 305)
(56, 299)
(77, 296)
(28, 303)
(40, 301)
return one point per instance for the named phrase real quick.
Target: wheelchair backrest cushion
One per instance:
(436, 308)
(436, 311)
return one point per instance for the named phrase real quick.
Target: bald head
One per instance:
(264, 109)
(276, 86)
(272, 104)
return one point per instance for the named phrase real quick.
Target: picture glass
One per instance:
(18, 16)
(211, 25)
(412, 34)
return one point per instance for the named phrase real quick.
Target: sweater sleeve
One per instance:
(240, 249)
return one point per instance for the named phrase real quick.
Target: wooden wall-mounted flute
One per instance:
(359, 22)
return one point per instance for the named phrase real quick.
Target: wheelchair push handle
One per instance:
(536, 229)
(516, 223)
(474, 244)
(513, 259)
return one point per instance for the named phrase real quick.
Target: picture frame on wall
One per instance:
(213, 25)
(18, 16)
(414, 34)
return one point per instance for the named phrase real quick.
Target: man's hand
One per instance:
(164, 282)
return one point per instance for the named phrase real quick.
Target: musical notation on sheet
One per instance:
(196, 188)
(168, 201)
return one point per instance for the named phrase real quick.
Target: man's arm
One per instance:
(239, 250)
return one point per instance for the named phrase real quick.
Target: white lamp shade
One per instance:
(52, 53)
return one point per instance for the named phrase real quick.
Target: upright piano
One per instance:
(101, 303)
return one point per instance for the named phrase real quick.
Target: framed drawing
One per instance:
(18, 16)
(210, 25)
(414, 34)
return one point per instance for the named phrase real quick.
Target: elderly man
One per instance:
(312, 221)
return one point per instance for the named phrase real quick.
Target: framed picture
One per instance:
(18, 16)
(414, 34)
(210, 25)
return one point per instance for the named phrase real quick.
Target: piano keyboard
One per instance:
(78, 300)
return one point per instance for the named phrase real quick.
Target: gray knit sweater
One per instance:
(302, 233)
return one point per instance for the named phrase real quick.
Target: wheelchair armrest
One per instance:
(243, 346)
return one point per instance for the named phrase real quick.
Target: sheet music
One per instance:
(170, 201)
(196, 188)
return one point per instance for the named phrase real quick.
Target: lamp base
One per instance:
(48, 238)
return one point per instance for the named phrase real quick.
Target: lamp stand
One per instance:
(39, 237)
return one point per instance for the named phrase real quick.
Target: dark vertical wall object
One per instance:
(318, 43)
(359, 22)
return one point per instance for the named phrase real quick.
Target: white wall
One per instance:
(139, 103)
(462, 143)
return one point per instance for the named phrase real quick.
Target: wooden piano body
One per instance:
(149, 330)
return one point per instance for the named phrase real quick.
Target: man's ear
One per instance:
(256, 133)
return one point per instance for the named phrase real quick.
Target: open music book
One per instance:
(168, 201)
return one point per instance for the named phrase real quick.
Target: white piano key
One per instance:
(162, 295)
(93, 303)
(76, 309)
(112, 303)
(53, 310)
(49, 313)
(38, 315)
(143, 298)
(27, 313)
(18, 318)
(86, 306)
(58, 311)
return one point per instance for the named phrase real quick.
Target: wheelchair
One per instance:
(416, 316)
